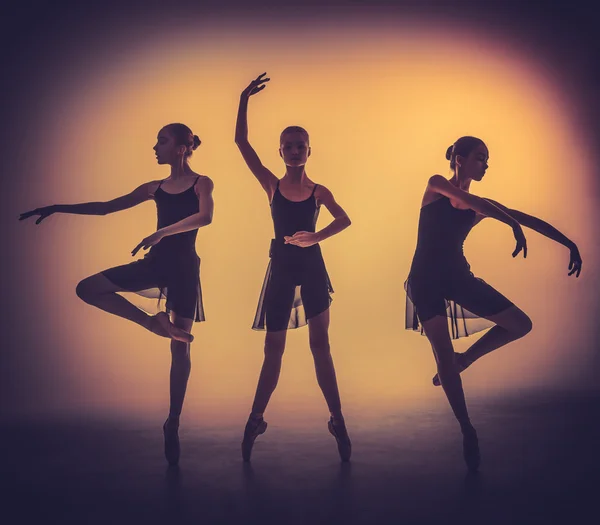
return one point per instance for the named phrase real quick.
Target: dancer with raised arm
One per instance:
(171, 267)
(441, 289)
(296, 289)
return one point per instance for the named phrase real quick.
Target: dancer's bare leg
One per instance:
(181, 365)
(511, 324)
(271, 368)
(319, 346)
(269, 376)
(100, 292)
(436, 330)
(318, 327)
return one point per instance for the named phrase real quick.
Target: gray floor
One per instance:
(540, 465)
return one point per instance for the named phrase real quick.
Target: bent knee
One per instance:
(95, 285)
(515, 321)
(527, 325)
(522, 324)
(85, 290)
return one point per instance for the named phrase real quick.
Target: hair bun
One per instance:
(449, 152)
(197, 142)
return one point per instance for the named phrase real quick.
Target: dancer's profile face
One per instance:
(474, 165)
(294, 149)
(167, 152)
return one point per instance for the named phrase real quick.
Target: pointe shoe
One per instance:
(172, 449)
(460, 363)
(471, 449)
(254, 428)
(160, 324)
(339, 432)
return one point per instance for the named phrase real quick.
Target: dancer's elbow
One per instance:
(205, 220)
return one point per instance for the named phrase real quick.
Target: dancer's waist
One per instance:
(279, 248)
(175, 247)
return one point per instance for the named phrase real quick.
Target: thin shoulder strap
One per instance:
(197, 179)
(273, 196)
(157, 188)
(313, 191)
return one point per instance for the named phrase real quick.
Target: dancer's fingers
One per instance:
(136, 249)
(27, 214)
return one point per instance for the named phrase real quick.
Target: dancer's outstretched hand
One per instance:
(151, 240)
(258, 84)
(575, 262)
(521, 241)
(302, 239)
(44, 212)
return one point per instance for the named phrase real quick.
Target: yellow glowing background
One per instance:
(381, 105)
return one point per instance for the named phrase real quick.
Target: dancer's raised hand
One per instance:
(258, 84)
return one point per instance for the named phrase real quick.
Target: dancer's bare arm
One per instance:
(140, 194)
(547, 230)
(266, 178)
(441, 185)
(340, 221)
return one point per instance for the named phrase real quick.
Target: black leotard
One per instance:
(296, 286)
(441, 235)
(171, 268)
(440, 280)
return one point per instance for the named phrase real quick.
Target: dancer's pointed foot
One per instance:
(254, 428)
(160, 324)
(172, 450)
(461, 364)
(471, 448)
(337, 428)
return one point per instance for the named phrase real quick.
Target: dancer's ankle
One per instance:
(337, 418)
(173, 419)
(148, 322)
(466, 425)
(256, 416)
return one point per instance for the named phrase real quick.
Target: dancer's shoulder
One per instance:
(150, 187)
(437, 182)
(204, 184)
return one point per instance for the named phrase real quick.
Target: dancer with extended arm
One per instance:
(441, 288)
(171, 267)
